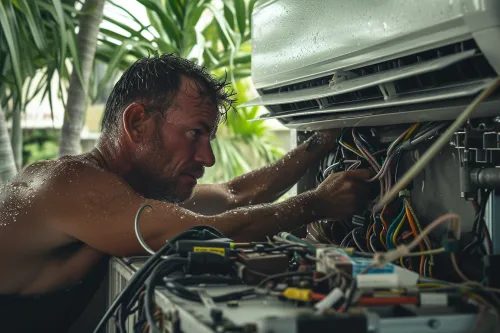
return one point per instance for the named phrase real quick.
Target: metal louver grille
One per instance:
(449, 72)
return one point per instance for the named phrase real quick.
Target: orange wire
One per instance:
(415, 233)
(385, 227)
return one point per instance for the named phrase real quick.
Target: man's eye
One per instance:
(195, 132)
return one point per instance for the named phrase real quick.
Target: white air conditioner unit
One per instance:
(321, 64)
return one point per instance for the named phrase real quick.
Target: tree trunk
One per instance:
(17, 138)
(77, 94)
(7, 163)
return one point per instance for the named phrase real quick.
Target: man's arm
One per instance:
(263, 185)
(98, 208)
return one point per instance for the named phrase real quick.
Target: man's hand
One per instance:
(329, 137)
(324, 141)
(343, 193)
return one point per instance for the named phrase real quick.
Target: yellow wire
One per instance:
(434, 285)
(351, 148)
(480, 299)
(426, 239)
(386, 228)
(398, 229)
(419, 227)
(413, 128)
(401, 262)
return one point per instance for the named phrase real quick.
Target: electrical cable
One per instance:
(343, 242)
(141, 275)
(390, 232)
(398, 229)
(427, 135)
(353, 287)
(415, 233)
(358, 244)
(282, 275)
(286, 246)
(150, 283)
(436, 147)
(381, 259)
(479, 223)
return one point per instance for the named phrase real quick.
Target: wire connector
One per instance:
(297, 294)
(381, 259)
(404, 193)
(450, 245)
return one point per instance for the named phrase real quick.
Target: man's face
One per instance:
(174, 154)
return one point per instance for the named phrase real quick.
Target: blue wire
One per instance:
(392, 230)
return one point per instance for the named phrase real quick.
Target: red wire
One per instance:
(317, 297)
(405, 237)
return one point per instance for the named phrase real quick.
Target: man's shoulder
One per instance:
(68, 166)
(68, 171)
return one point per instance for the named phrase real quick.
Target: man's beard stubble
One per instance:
(147, 183)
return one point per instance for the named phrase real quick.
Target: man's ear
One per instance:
(134, 119)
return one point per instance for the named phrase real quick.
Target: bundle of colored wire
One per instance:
(381, 259)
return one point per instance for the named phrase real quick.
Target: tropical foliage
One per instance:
(37, 37)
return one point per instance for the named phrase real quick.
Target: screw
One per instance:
(434, 323)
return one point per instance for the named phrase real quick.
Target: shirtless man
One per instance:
(59, 219)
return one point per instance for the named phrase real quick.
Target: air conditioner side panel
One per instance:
(295, 39)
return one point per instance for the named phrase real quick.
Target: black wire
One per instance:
(183, 292)
(350, 297)
(208, 228)
(204, 279)
(138, 279)
(482, 211)
(281, 276)
(477, 229)
(163, 269)
(284, 247)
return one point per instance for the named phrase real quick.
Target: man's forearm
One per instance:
(256, 222)
(270, 182)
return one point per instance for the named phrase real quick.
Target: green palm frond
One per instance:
(36, 35)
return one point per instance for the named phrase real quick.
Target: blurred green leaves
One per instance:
(37, 35)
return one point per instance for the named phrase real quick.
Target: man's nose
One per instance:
(204, 154)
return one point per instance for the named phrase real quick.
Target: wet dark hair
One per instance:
(156, 80)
